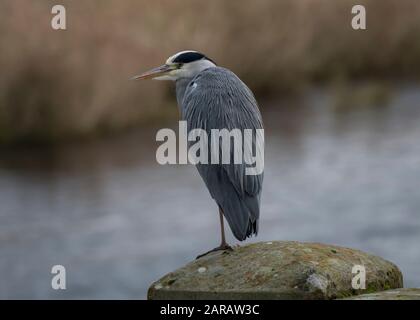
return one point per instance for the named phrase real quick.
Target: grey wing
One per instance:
(218, 99)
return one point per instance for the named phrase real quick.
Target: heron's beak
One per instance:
(156, 72)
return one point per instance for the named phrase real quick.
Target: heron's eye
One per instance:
(178, 65)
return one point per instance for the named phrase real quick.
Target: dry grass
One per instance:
(59, 84)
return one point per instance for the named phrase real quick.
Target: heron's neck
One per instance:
(181, 86)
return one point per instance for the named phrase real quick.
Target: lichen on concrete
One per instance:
(277, 270)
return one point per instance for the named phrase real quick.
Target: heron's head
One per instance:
(184, 64)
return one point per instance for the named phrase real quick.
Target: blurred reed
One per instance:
(58, 85)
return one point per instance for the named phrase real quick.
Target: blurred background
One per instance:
(79, 183)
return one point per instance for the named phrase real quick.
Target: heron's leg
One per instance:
(222, 229)
(223, 245)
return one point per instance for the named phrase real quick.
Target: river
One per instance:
(117, 220)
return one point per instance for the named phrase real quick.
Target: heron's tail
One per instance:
(242, 216)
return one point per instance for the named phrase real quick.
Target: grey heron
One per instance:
(212, 97)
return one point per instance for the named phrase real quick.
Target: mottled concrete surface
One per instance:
(395, 294)
(277, 270)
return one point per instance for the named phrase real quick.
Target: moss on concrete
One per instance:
(277, 270)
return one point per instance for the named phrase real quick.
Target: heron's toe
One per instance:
(224, 247)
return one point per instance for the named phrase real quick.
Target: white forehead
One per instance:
(173, 57)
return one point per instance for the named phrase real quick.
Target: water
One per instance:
(118, 221)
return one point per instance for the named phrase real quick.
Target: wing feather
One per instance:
(218, 99)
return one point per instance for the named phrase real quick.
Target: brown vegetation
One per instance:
(58, 84)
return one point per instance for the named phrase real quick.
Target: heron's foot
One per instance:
(223, 247)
